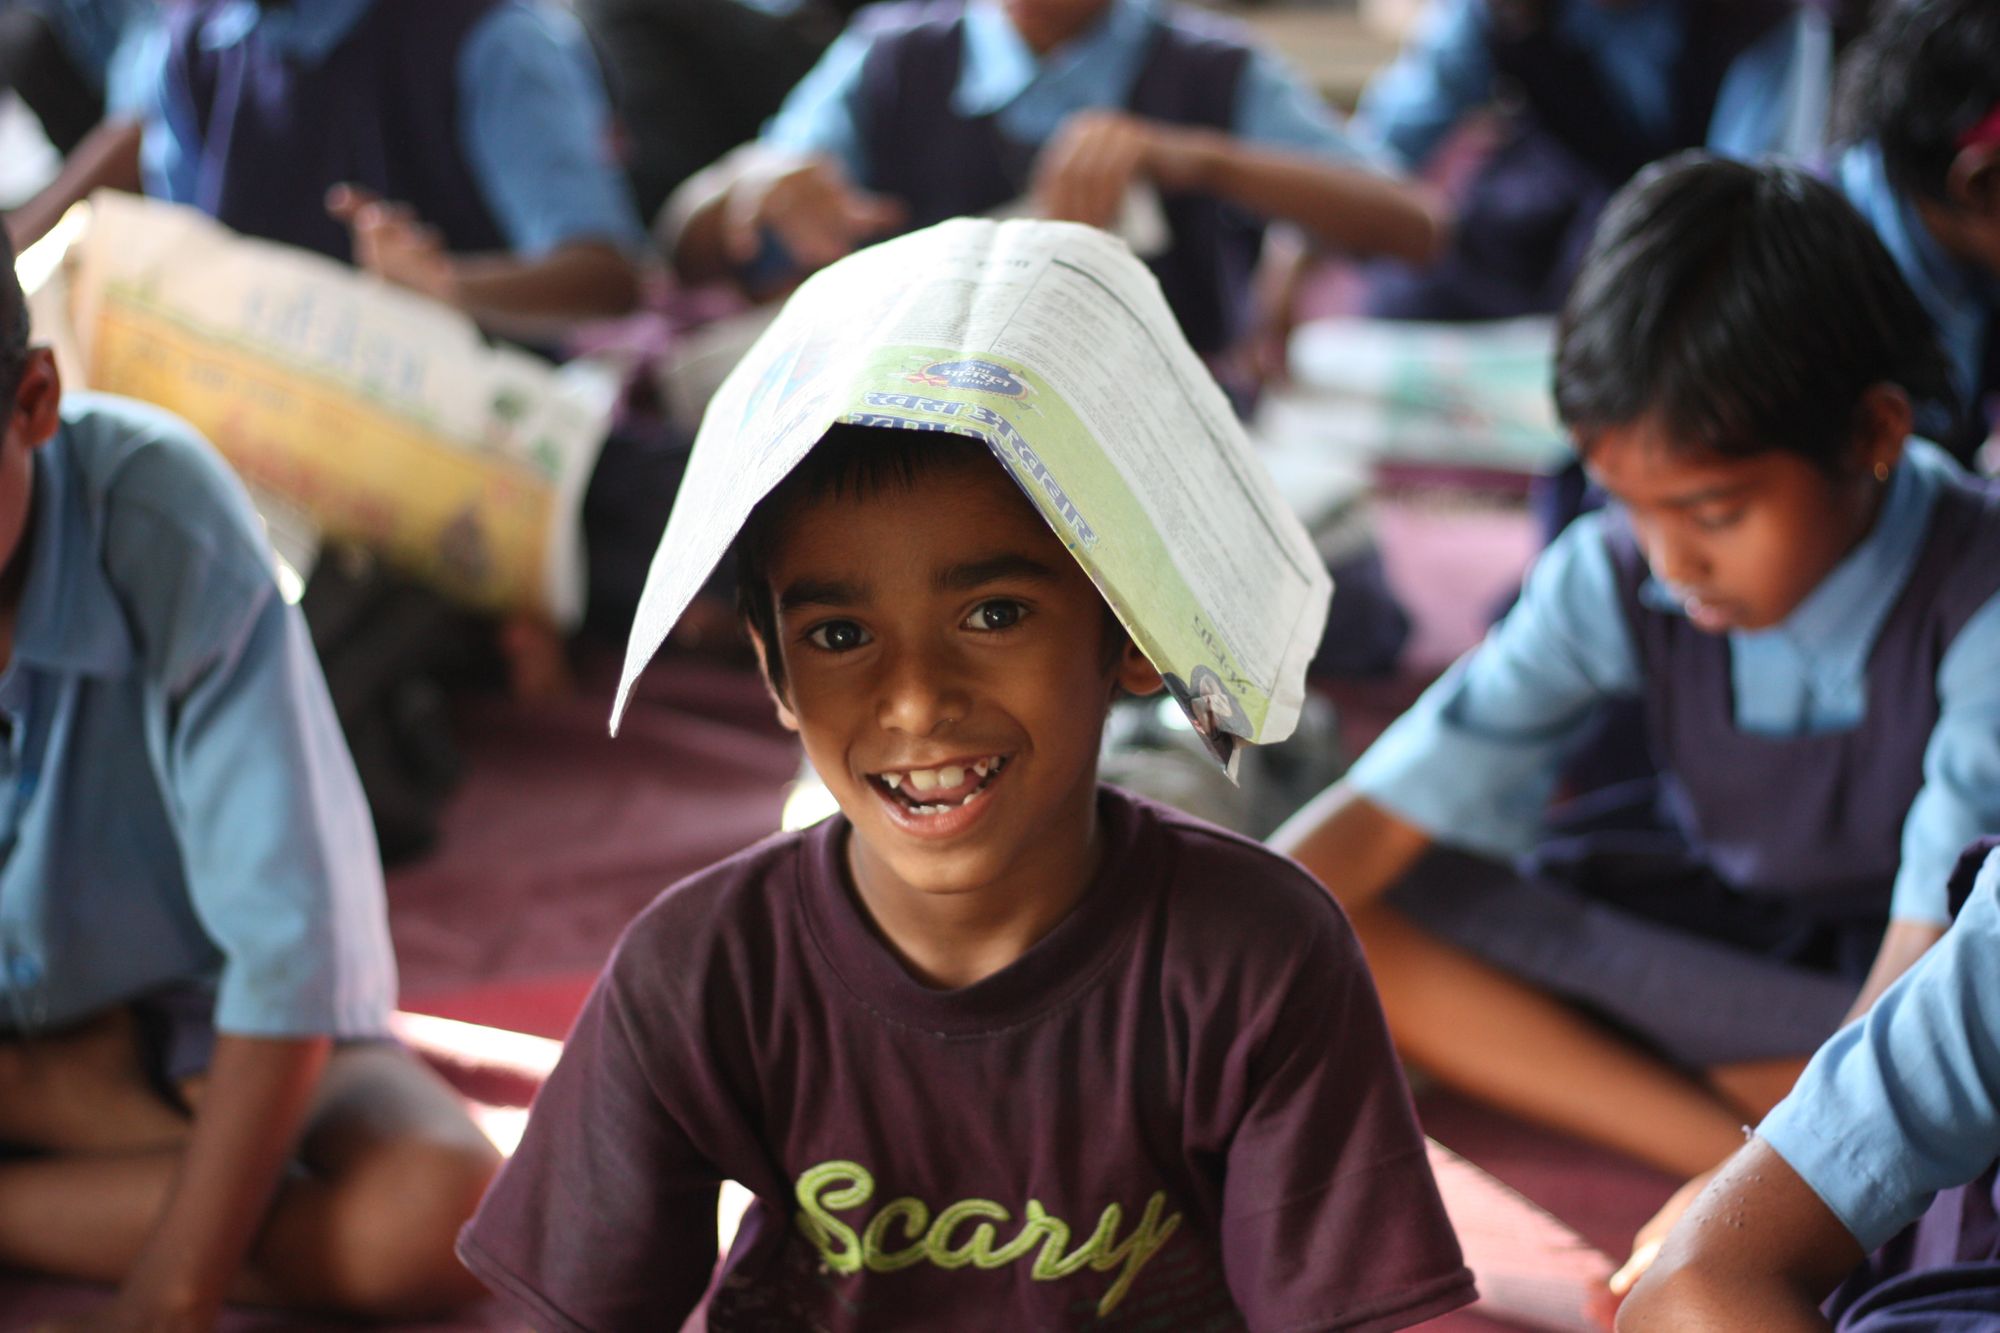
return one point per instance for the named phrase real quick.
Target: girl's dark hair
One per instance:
(848, 461)
(1924, 73)
(1748, 308)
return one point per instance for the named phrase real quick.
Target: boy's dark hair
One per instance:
(849, 460)
(1747, 308)
(1925, 73)
(13, 326)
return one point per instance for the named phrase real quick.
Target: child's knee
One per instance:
(403, 1207)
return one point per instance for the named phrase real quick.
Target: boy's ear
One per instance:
(1882, 425)
(38, 401)
(1136, 675)
(786, 717)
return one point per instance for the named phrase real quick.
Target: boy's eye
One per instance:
(997, 614)
(837, 636)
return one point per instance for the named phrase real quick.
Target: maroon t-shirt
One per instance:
(1178, 1110)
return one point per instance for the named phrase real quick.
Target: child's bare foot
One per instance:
(84, 1090)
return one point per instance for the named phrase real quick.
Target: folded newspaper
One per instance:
(382, 416)
(1053, 345)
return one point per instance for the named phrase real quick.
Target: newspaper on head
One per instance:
(382, 416)
(1053, 345)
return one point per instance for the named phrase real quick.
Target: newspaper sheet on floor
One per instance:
(382, 416)
(1053, 345)
(1533, 1271)
(1471, 395)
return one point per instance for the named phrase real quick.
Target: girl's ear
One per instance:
(1972, 182)
(1882, 424)
(786, 717)
(1136, 674)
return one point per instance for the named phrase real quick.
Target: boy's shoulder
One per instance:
(129, 460)
(1229, 889)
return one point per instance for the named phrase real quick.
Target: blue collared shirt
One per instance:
(534, 119)
(1961, 298)
(1032, 96)
(1476, 759)
(1772, 101)
(1906, 1101)
(176, 800)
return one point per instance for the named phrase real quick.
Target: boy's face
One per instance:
(32, 418)
(945, 666)
(1743, 541)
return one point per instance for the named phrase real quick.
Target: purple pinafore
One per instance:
(1728, 908)
(379, 111)
(942, 164)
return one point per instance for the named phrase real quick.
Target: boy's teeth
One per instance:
(892, 780)
(982, 767)
(922, 779)
(951, 776)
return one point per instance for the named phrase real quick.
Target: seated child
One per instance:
(1802, 603)
(995, 1047)
(926, 111)
(1603, 87)
(330, 124)
(78, 64)
(196, 1092)
(1895, 1111)
(1923, 101)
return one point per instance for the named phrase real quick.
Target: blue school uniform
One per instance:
(944, 106)
(1815, 776)
(255, 113)
(1604, 89)
(1897, 1121)
(104, 40)
(176, 803)
(1963, 299)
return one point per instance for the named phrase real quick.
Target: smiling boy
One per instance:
(996, 1047)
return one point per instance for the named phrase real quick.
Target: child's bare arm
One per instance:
(1352, 845)
(1903, 944)
(1758, 1249)
(715, 224)
(251, 1111)
(108, 158)
(1082, 174)
(528, 297)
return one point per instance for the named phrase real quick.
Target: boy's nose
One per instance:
(920, 694)
(1675, 560)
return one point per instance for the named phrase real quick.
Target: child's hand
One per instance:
(1646, 1247)
(810, 207)
(391, 242)
(1082, 174)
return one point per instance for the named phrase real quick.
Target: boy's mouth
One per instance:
(930, 792)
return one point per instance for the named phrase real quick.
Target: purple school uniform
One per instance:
(1179, 1110)
(380, 111)
(942, 164)
(1529, 212)
(1761, 865)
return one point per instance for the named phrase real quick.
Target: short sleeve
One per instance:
(1331, 1217)
(1773, 101)
(1475, 760)
(537, 131)
(605, 1216)
(277, 845)
(1442, 74)
(1275, 109)
(154, 82)
(820, 116)
(1960, 796)
(1906, 1101)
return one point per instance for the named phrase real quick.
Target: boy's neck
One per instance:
(948, 941)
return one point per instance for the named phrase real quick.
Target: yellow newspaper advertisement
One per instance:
(382, 416)
(1053, 345)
